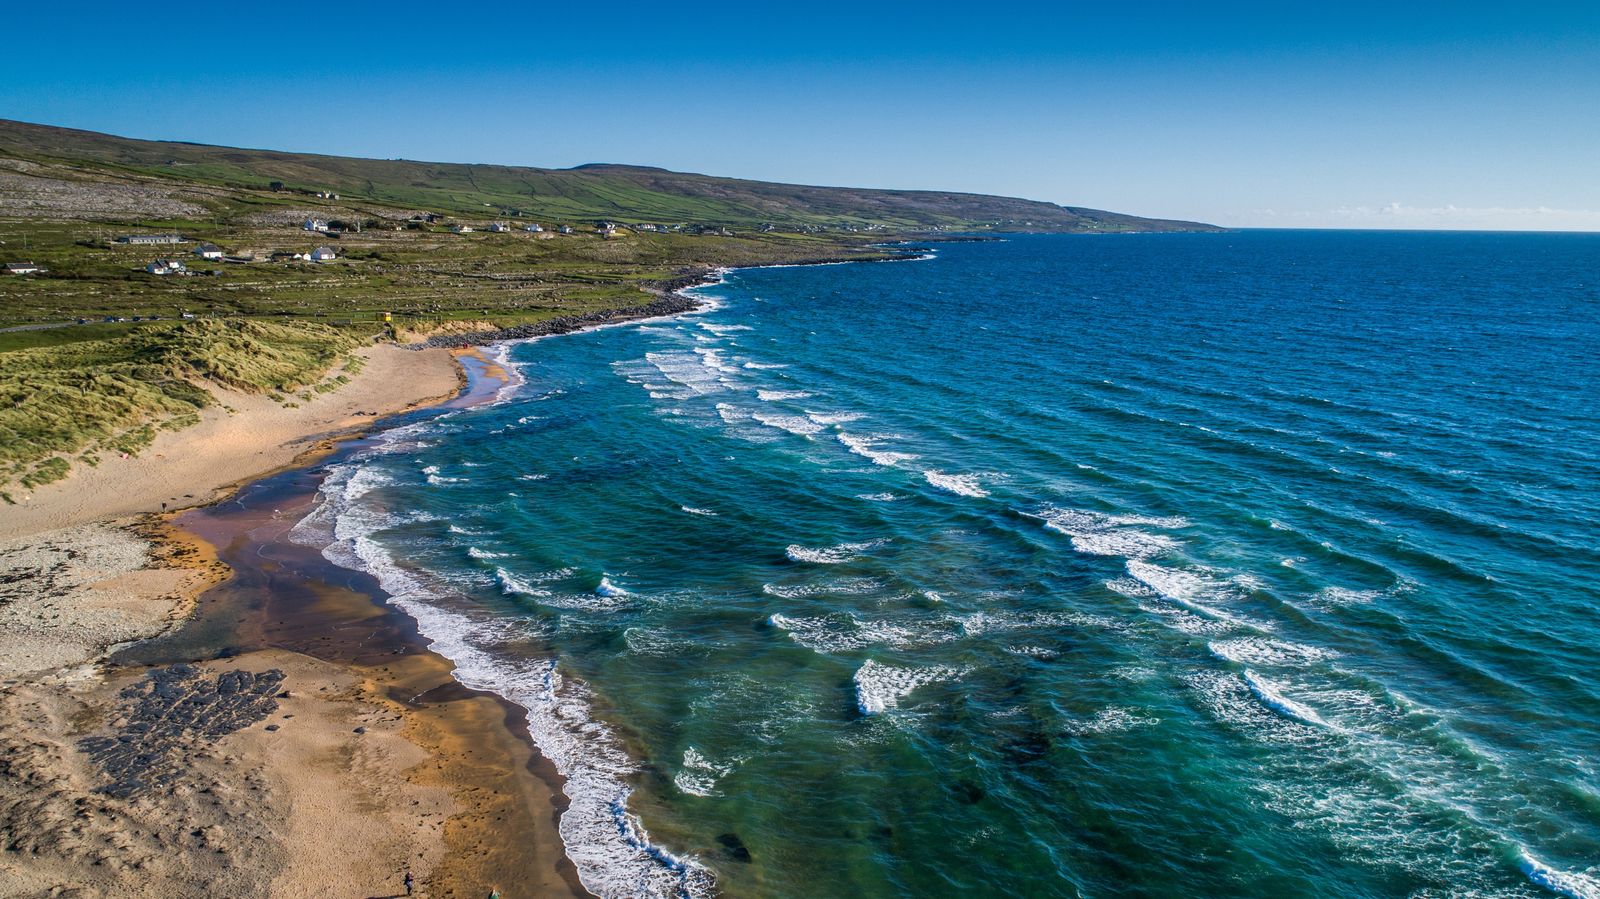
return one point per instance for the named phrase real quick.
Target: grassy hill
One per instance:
(586, 193)
(97, 354)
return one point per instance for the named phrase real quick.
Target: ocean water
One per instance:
(1253, 564)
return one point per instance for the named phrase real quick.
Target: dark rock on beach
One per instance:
(171, 713)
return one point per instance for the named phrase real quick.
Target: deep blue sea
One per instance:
(1256, 564)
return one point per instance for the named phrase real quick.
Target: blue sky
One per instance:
(1355, 115)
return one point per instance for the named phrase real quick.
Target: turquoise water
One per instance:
(1254, 564)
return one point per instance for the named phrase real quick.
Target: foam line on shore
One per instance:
(608, 844)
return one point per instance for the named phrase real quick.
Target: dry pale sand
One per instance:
(192, 466)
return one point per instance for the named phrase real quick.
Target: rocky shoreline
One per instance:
(671, 301)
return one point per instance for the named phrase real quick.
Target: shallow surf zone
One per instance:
(608, 844)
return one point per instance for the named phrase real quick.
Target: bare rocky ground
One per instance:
(25, 189)
(174, 813)
(67, 595)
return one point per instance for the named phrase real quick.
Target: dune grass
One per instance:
(81, 400)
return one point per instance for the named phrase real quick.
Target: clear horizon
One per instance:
(1242, 115)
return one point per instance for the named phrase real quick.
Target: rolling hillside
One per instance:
(603, 191)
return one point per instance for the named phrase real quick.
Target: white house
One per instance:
(208, 251)
(149, 238)
(323, 254)
(499, 227)
(532, 229)
(22, 268)
(565, 229)
(461, 229)
(316, 225)
(166, 267)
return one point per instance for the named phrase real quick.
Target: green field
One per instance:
(280, 326)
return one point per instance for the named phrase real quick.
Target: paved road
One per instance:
(42, 327)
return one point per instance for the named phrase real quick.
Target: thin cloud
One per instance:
(1400, 215)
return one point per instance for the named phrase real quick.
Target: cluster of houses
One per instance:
(213, 253)
(167, 267)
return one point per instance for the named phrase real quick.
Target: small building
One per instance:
(565, 229)
(166, 267)
(499, 227)
(316, 225)
(22, 268)
(208, 251)
(533, 229)
(461, 229)
(323, 254)
(138, 239)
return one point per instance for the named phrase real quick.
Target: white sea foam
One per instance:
(1271, 696)
(830, 555)
(881, 687)
(500, 353)
(697, 511)
(532, 477)
(1033, 652)
(833, 418)
(699, 775)
(1099, 534)
(720, 330)
(850, 586)
(1340, 596)
(1263, 651)
(608, 589)
(976, 623)
(511, 585)
(1111, 719)
(763, 366)
(1230, 700)
(867, 447)
(960, 484)
(878, 497)
(799, 425)
(687, 371)
(1186, 588)
(773, 396)
(438, 480)
(1573, 884)
(843, 632)
(484, 554)
(712, 358)
(608, 845)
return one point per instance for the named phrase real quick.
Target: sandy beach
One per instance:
(241, 436)
(190, 705)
